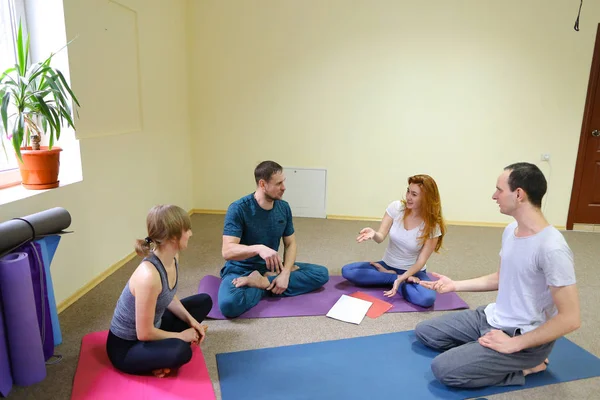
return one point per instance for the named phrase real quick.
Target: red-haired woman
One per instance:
(416, 229)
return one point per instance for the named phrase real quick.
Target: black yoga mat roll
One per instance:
(16, 231)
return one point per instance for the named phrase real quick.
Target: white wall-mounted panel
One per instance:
(306, 191)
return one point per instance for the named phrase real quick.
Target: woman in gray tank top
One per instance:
(152, 331)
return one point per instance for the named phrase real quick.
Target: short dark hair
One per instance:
(529, 178)
(265, 170)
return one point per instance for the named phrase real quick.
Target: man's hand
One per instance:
(442, 285)
(499, 341)
(271, 258)
(280, 283)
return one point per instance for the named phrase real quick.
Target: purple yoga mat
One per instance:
(320, 301)
(5, 372)
(42, 305)
(21, 322)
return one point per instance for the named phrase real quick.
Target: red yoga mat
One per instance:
(96, 378)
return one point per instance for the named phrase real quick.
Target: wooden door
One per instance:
(585, 196)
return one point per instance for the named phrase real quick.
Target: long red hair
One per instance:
(431, 208)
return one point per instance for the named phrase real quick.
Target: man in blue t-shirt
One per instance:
(254, 227)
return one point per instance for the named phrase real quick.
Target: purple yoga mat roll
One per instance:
(5, 372)
(42, 305)
(21, 322)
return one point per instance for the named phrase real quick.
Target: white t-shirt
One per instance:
(404, 246)
(528, 266)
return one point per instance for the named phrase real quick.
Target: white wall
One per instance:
(375, 91)
(124, 173)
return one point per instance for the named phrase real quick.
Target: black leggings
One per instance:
(140, 358)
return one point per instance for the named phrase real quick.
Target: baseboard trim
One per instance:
(206, 211)
(94, 282)
(455, 223)
(97, 280)
(377, 219)
(352, 218)
(490, 224)
(478, 224)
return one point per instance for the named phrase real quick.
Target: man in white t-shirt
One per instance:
(537, 299)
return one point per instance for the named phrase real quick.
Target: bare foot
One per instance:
(381, 268)
(538, 368)
(255, 280)
(161, 372)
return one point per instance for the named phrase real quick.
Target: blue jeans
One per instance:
(235, 301)
(364, 274)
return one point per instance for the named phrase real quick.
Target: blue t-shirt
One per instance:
(254, 225)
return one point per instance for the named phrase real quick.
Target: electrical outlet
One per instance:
(545, 157)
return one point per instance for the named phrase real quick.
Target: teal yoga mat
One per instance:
(393, 365)
(49, 245)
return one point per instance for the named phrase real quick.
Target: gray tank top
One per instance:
(123, 321)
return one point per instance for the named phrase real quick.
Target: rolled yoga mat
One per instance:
(21, 322)
(321, 300)
(6, 380)
(16, 232)
(42, 305)
(388, 366)
(49, 245)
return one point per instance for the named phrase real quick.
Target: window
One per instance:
(11, 11)
(43, 21)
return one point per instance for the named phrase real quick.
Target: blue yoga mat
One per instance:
(49, 245)
(393, 365)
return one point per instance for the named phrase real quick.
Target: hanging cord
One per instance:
(57, 357)
(576, 27)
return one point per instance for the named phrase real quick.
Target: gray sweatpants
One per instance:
(467, 364)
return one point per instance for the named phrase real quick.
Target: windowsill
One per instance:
(70, 173)
(18, 192)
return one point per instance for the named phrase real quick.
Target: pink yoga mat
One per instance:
(320, 301)
(96, 378)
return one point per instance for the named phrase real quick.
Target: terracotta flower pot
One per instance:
(39, 169)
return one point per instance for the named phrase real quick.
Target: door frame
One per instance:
(585, 129)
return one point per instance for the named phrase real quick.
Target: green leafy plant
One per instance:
(34, 100)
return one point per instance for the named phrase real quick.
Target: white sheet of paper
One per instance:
(349, 309)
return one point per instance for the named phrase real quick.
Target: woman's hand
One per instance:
(365, 234)
(202, 333)
(200, 329)
(392, 292)
(190, 335)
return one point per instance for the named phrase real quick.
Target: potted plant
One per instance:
(34, 101)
